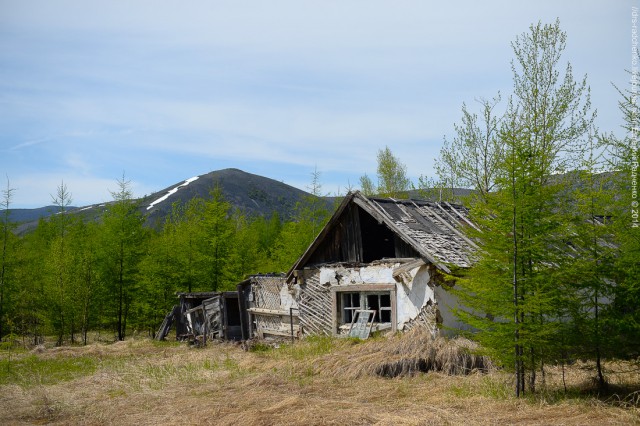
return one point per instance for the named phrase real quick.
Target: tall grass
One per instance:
(407, 354)
(31, 370)
(319, 380)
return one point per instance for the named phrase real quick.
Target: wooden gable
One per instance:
(364, 229)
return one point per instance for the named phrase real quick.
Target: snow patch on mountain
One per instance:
(172, 191)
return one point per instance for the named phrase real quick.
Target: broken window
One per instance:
(348, 299)
(380, 302)
(350, 303)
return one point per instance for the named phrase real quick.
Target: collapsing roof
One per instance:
(366, 229)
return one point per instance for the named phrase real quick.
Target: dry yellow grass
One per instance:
(315, 382)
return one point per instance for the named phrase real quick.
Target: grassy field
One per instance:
(317, 381)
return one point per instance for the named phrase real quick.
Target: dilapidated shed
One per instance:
(272, 310)
(378, 262)
(203, 316)
(263, 306)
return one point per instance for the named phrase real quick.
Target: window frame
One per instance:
(364, 291)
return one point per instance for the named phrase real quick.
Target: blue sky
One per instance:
(167, 90)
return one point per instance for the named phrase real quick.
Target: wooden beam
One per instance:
(267, 331)
(408, 267)
(274, 312)
(449, 226)
(363, 287)
(371, 209)
(463, 217)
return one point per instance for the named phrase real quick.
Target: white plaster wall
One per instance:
(328, 275)
(377, 274)
(411, 295)
(286, 299)
(414, 296)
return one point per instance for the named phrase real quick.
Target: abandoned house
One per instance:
(377, 263)
(376, 266)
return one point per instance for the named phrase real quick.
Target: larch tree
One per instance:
(31, 311)
(311, 214)
(186, 230)
(61, 263)
(513, 294)
(159, 273)
(268, 232)
(588, 269)
(84, 240)
(7, 243)
(245, 252)
(123, 246)
(218, 234)
(624, 153)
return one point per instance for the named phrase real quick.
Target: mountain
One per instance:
(253, 194)
(29, 215)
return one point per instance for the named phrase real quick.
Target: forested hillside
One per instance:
(252, 194)
(103, 269)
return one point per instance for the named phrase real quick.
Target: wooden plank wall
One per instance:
(315, 305)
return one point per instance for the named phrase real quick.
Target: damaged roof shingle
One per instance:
(437, 228)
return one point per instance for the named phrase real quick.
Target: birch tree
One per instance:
(392, 175)
(472, 158)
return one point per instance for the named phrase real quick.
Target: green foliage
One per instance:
(295, 237)
(267, 232)
(441, 190)
(367, 186)
(7, 253)
(218, 232)
(30, 371)
(69, 276)
(523, 292)
(392, 177)
(623, 159)
(472, 158)
(122, 247)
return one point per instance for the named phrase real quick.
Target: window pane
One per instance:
(373, 302)
(350, 302)
(385, 301)
(385, 315)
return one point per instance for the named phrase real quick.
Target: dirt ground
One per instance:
(140, 382)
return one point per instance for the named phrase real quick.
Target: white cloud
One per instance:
(29, 143)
